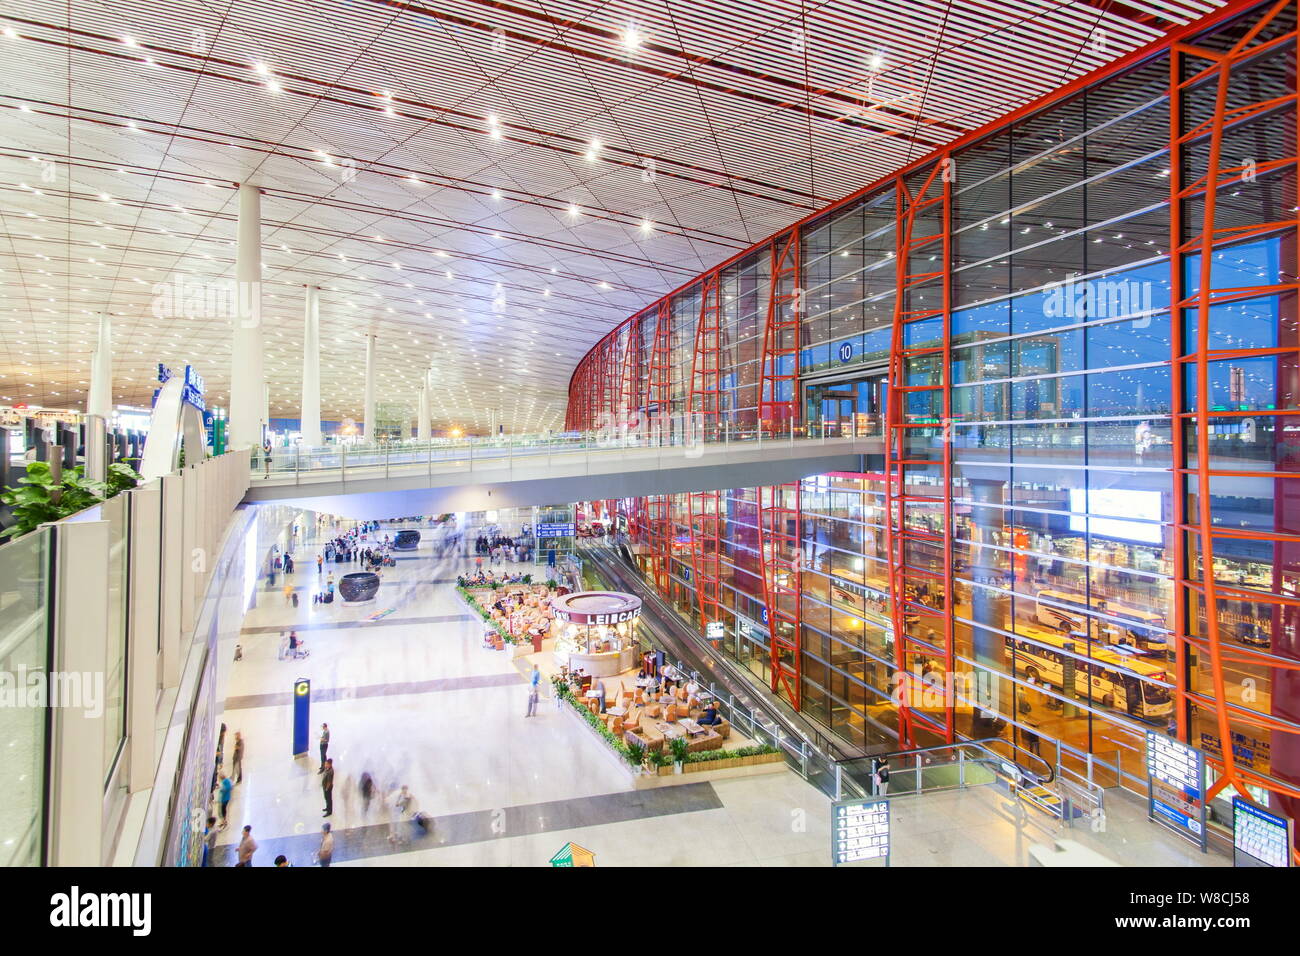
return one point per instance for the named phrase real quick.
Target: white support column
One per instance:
(309, 415)
(368, 413)
(247, 374)
(99, 397)
(422, 414)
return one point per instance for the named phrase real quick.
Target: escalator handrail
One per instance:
(985, 744)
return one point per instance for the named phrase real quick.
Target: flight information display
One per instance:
(1259, 838)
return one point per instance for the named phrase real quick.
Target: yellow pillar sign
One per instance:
(573, 855)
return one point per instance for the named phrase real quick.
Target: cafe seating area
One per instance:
(523, 610)
(635, 715)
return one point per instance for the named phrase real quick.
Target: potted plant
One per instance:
(550, 583)
(680, 748)
(659, 762)
(635, 755)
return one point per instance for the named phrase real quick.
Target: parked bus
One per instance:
(1066, 611)
(1112, 677)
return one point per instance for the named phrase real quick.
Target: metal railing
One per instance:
(952, 766)
(301, 464)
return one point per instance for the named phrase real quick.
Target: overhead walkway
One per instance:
(482, 474)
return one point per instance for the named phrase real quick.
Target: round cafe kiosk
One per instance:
(597, 631)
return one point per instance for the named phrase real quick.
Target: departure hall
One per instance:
(845, 434)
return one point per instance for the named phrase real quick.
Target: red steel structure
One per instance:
(660, 534)
(918, 450)
(705, 401)
(778, 408)
(1200, 174)
(631, 397)
(707, 514)
(780, 531)
(707, 523)
(660, 383)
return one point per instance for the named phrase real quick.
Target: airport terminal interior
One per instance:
(640, 433)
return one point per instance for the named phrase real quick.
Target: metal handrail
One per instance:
(915, 762)
(1047, 775)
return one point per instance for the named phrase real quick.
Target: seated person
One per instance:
(710, 715)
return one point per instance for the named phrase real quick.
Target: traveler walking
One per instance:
(237, 759)
(247, 847)
(227, 790)
(534, 690)
(324, 745)
(367, 788)
(327, 787)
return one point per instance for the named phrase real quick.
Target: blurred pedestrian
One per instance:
(367, 787)
(237, 758)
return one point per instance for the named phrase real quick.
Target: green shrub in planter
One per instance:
(680, 749)
(635, 753)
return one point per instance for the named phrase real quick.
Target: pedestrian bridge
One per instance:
(362, 481)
